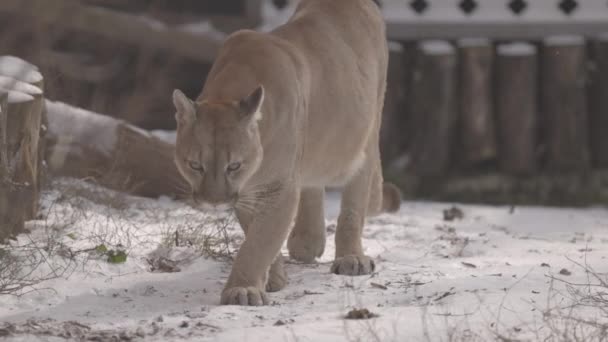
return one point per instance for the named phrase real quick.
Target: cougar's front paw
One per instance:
(245, 296)
(353, 265)
(306, 247)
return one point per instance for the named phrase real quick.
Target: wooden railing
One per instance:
(500, 19)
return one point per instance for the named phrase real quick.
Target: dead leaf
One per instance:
(379, 286)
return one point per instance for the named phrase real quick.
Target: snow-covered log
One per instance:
(517, 107)
(115, 154)
(433, 108)
(21, 113)
(564, 103)
(599, 103)
(476, 132)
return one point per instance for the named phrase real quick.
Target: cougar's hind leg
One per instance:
(307, 239)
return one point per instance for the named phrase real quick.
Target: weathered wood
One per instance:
(119, 26)
(476, 128)
(120, 156)
(393, 133)
(599, 103)
(253, 10)
(517, 107)
(564, 104)
(18, 175)
(25, 130)
(433, 108)
(559, 189)
(17, 74)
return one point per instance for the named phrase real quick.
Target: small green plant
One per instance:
(101, 249)
(117, 257)
(113, 256)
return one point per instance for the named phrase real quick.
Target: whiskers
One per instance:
(181, 188)
(254, 199)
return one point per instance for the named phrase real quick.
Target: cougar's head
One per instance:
(218, 146)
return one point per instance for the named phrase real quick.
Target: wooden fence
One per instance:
(521, 110)
(488, 99)
(499, 101)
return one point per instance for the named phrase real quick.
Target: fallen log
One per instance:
(117, 155)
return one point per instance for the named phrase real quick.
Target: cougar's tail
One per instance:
(391, 198)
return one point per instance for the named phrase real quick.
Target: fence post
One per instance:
(517, 108)
(433, 108)
(599, 103)
(564, 105)
(476, 129)
(394, 132)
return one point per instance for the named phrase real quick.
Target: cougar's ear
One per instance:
(250, 106)
(185, 111)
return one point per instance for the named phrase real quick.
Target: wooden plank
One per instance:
(564, 104)
(517, 108)
(476, 129)
(511, 30)
(433, 108)
(599, 103)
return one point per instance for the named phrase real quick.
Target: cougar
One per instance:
(283, 115)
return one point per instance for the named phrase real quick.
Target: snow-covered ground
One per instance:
(484, 277)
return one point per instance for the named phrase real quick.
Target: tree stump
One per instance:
(517, 107)
(433, 108)
(17, 173)
(476, 131)
(120, 156)
(22, 108)
(25, 72)
(599, 103)
(564, 104)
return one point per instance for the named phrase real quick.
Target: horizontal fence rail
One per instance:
(499, 19)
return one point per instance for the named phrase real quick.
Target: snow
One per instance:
(15, 97)
(69, 124)
(516, 49)
(474, 42)
(166, 136)
(479, 276)
(203, 27)
(19, 69)
(436, 47)
(13, 84)
(565, 40)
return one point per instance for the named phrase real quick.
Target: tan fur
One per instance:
(318, 84)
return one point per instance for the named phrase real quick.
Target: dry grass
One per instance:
(81, 223)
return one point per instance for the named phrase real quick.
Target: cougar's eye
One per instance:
(233, 167)
(196, 166)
